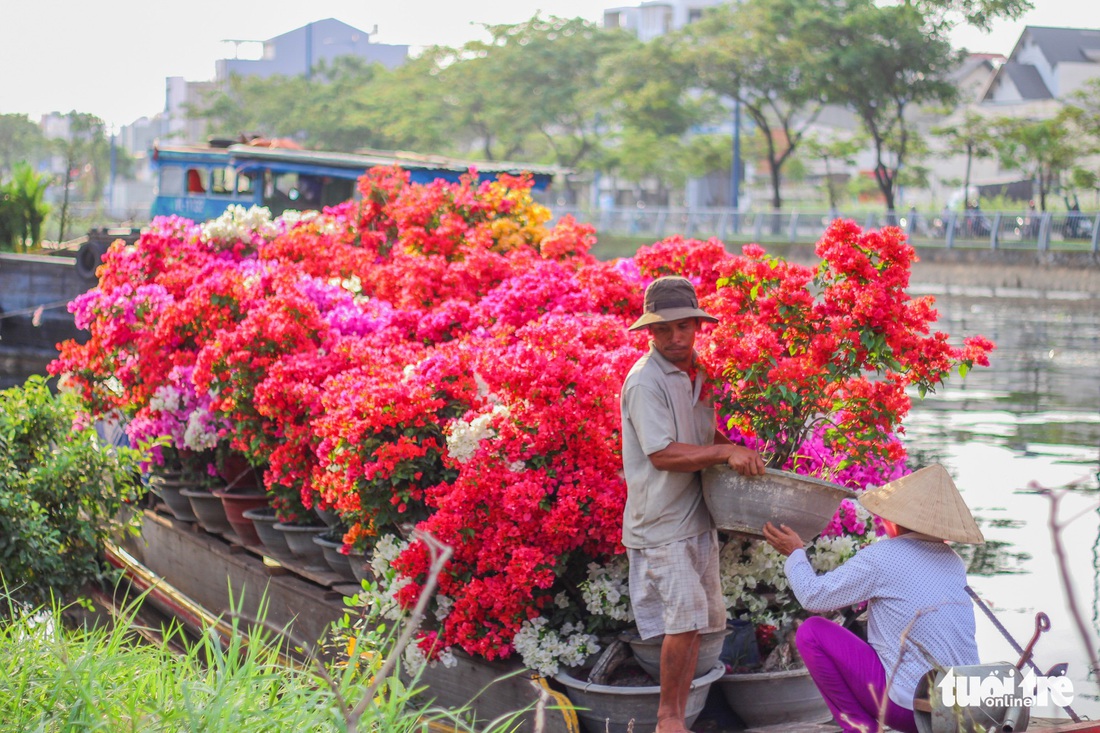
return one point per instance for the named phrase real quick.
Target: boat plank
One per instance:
(205, 567)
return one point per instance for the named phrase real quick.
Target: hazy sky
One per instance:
(111, 57)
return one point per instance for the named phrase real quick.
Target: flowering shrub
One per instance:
(438, 357)
(837, 346)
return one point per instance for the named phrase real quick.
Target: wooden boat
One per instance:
(197, 577)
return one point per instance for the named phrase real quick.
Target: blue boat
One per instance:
(201, 182)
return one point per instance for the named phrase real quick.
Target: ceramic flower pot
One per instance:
(772, 698)
(170, 492)
(236, 503)
(360, 566)
(263, 522)
(209, 510)
(238, 473)
(744, 504)
(647, 652)
(336, 560)
(328, 516)
(299, 540)
(615, 709)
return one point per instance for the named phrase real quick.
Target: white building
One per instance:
(656, 17)
(1046, 65)
(298, 52)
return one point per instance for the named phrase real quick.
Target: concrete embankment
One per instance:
(1000, 273)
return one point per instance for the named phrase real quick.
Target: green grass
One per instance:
(54, 678)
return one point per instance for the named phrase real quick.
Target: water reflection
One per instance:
(1032, 418)
(995, 557)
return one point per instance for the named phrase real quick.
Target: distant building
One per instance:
(179, 96)
(973, 75)
(294, 53)
(298, 52)
(656, 17)
(1046, 64)
(647, 21)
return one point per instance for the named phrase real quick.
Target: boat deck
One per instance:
(197, 577)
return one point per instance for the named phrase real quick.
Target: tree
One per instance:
(969, 137)
(834, 149)
(1041, 149)
(941, 15)
(28, 193)
(85, 148)
(880, 63)
(649, 116)
(20, 139)
(761, 54)
(544, 75)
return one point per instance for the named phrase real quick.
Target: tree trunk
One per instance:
(966, 179)
(65, 200)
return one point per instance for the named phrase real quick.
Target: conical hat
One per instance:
(925, 501)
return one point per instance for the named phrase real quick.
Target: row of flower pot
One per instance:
(758, 698)
(243, 515)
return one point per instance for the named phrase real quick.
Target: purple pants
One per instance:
(850, 677)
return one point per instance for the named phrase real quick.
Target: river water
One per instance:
(1031, 421)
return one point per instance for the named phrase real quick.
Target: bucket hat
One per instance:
(925, 501)
(670, 299)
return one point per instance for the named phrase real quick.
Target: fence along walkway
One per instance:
(1071, 231)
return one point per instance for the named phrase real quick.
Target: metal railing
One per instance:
(976, 229)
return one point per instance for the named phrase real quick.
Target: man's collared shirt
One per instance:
(660, 406)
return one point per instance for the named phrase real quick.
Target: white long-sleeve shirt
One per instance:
(902, 579)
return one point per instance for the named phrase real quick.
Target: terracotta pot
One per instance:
(770, 698)
(299, 539)
(614, 709)
(209, 510)
(238, 473)
(263, 522)
(236, 503)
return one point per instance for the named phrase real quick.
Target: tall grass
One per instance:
(111, 678)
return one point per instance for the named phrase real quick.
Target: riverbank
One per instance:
(992, 273)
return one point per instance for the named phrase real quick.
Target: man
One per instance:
(669, 435)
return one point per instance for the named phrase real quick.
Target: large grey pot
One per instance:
(744, 503)
(771, 698)
(614, 709)
(648, 652)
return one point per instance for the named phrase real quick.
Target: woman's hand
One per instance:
(784, 539)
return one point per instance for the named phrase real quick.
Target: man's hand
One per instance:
(745, 461)
(784, 539)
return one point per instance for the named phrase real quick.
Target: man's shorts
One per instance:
(676, 588)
